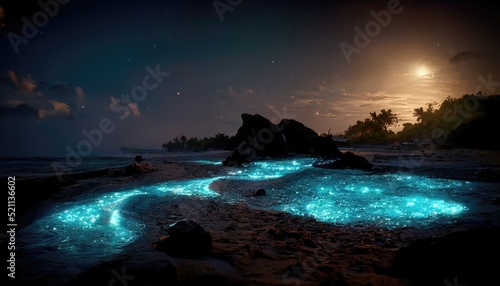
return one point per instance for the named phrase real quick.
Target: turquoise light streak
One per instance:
(99, 225)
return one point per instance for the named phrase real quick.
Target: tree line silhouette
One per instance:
(178, 144)
(469, 121)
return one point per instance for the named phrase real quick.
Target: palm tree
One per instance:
(183, 140)
(386, 118)
(422, 115)
(418, 113)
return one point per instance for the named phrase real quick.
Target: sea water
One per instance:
(91, 229)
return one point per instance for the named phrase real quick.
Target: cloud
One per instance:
(26, 83)
(2, 15)
(467, 56)
(13, 77)
(53, 109)
(134, 107)
(231, 91)
(247, 91)
(23, 96)
(80, 95)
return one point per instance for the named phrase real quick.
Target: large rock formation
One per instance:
(346, 160)
(259, 137)
(303, 140)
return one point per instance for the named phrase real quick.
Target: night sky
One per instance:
(193, 67)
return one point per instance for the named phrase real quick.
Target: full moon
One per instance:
(423, 71)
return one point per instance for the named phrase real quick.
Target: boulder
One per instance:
(186, 239)
(325, 147)
(347, 160)
(303, 140)
(260, 192)
(299, 138)
(257, 137)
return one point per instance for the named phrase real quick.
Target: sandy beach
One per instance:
(252, 246)
(232, 142)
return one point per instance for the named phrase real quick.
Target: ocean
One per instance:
(80, 229)
(29, 167)
(43, 166)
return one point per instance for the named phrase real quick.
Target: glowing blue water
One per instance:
(95, 226)
(388, 200)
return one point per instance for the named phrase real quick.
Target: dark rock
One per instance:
(468, 256)
(138, 158)
(299, 138)
(257, 137)
(325, 147)
(347, 160)
(303, 140)
(260, 192)
(187, 239)
(240, 156)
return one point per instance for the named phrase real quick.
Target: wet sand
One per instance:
(260, 247)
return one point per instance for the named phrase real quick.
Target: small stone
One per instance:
(186, 239)
(260, 192)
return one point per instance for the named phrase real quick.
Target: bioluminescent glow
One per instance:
(100, 224)
(389, 200)
(100, 221)
(386, 211)
(92, 223)
(263, 170)
(193, 187)
(208, 162)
